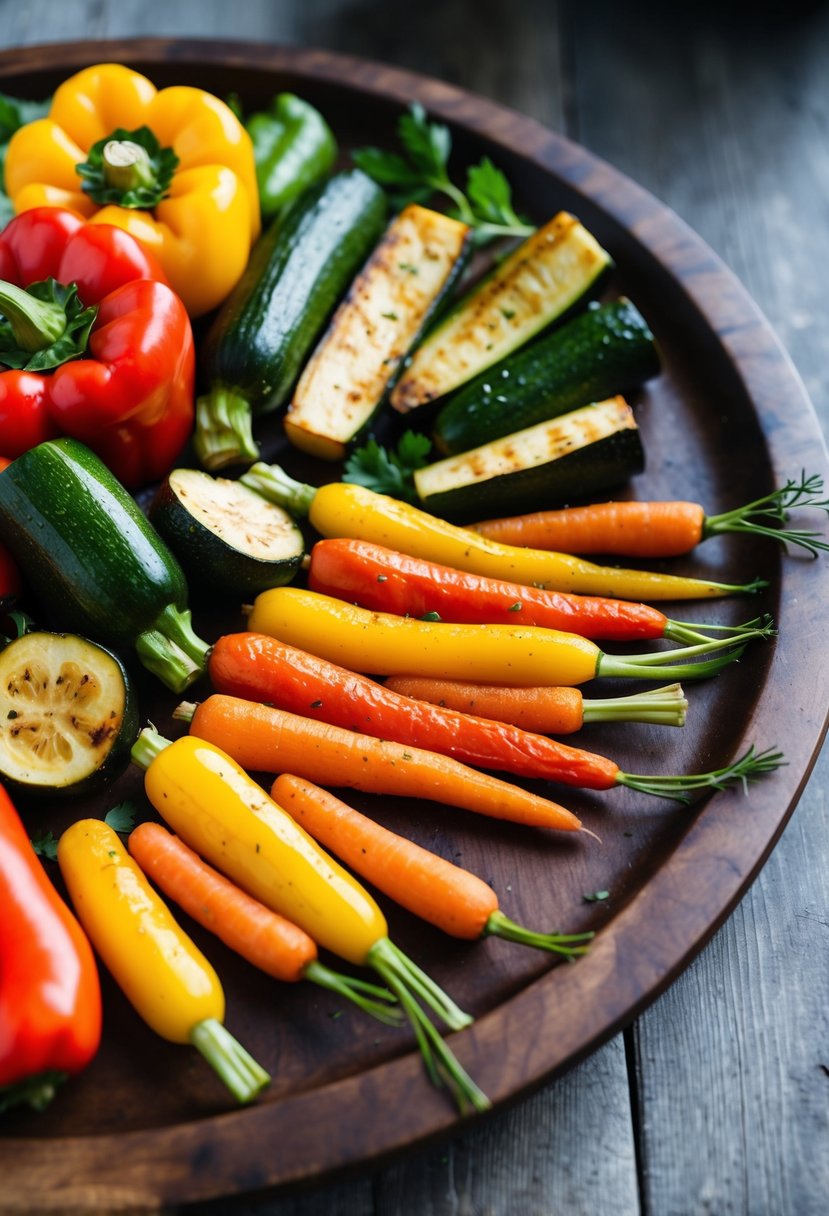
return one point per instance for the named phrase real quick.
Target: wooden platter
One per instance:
(147, 1125)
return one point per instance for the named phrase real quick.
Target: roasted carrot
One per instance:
(656, 529)
(383, 643)
(341, 509)
(263, 739)
(384, 580)
(434, 889)
(547, 711)
(261, 668)
(267, 940)
(227, 818)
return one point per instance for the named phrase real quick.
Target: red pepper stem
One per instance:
(36, 324)
(236, 1067)
(36, 1092)
(172, 650)
(223, 434)
(273, 483)
(127, 166)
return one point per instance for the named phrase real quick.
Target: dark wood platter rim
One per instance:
(569, 1011)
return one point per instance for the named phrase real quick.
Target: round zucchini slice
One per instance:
(225, 534)
(67, 714)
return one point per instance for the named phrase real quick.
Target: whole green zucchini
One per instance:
(261, 337)
(95, 564)
(607, 349)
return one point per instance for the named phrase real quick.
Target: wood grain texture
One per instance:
(709, 176)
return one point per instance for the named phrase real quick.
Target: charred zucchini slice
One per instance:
(578, 454)
(535, 285)
(68, 717)
(387, 307)
(224, 535)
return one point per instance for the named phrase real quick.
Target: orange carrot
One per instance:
(659, 529)
(545, 710)
(262, 738)
(267, 940)
(434, 889)
(631, 529)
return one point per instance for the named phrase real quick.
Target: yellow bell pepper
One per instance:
(191, 198)
(163, 974)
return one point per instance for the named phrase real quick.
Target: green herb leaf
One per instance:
(595, 896)
(122, 817)
(490, 194)
(423, 170)
(389, 472)
(387, 168)
(427, 143)
(46, 845)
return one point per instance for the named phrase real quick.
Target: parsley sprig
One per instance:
(421, 170)
(389, 471)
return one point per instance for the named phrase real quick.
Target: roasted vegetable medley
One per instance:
(185, 290)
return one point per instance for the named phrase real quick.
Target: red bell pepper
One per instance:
(50, 999)
(95, 344)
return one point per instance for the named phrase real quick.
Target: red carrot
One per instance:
(259, 667)
(383, 580)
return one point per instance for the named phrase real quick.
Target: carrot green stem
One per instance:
(638, 665)
(666, 706)
(373, 1000)
(803, 493)
(692, 633)
(750, 765)
(273, 483)
(236, 1067)
(405, 979)
(569, 944)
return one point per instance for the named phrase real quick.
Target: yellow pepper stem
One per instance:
(127, 165)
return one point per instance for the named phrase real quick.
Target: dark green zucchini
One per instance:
(95, 564)
(68, 716)
(578, 454)
(408, 275)
(606, 349)
(226, 536)
(533, 286)
(262, 335)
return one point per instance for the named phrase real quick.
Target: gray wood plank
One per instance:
(731, 131)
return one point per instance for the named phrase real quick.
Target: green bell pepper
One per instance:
(293, 147)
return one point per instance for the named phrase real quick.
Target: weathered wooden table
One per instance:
(716, 1100)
